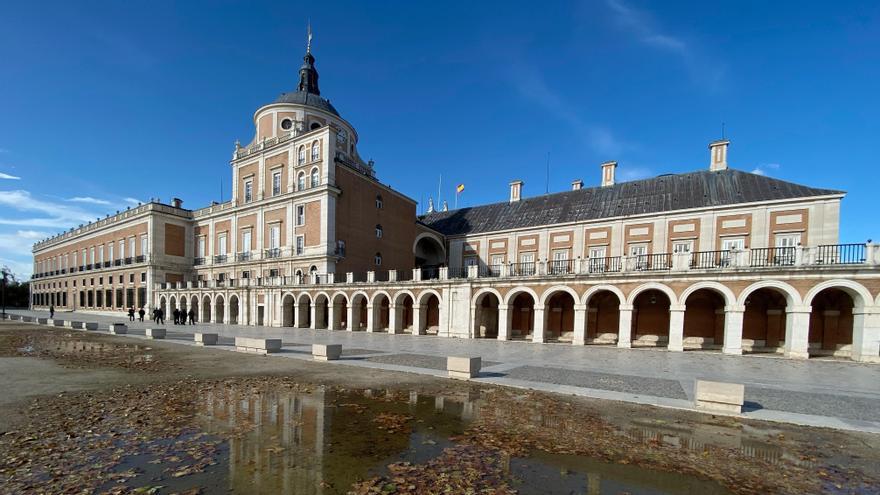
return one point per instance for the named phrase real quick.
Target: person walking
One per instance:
(192, 317)
(130, 314)
(156, 315)
(141, 314)
(51, 311)
(161, 320)
(176, 315)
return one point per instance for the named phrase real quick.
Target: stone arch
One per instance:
(379, 312)
(521, 302)
(339, 313)
(602, 303)
(793, 298)
(860, 295)
(704, 315)
(321, 308)
(404, 312)
(429, 250)
(429, 312)
(547, 294)
(516, 291)
(837, 319)
(288, 309)
(559, 306)
(358, 310)
(723, 290)
(219, 309)
(194, 307)
(303, 310)
(665, 289)
(172, 305)
(234, 309)
(207, 306)
(486, 309)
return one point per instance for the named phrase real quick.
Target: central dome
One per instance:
(308, 99)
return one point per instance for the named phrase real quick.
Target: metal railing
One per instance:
(772, 256)
(840, 254)
(140, 258)
(430, 273)
(273, 253)
(526, 269)
(653, 262)
(706, 260)
(220, 258)
(198, 261)
(560, 267)
(604, 265)
(128, 260)
(490, 271)
(243, 256)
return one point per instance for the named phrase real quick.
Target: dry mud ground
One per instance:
(74, 406)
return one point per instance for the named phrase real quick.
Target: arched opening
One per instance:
(486, 316)
(206, 310)
(194, 307)
(304, 311)
(219, 310)
(559, 317)
(429, 314)
(764, 321)
(358, 312)
(704, 320)
(322, 312)
(163, 305)
(183, 316)
(650, 319)
(831, 323)
(522, 317)
(340, 312)
(287, 311)
(429, 253)
(169, 310)
(381, 313)
(603, 318)
(403, 313)
(233, 309)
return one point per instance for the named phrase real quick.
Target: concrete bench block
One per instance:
(463, 367)
(326, 352)
(15, 317)
(117, 329)
(719, 396)
(77, 325)
(57, 323)
(27, 319)
(206, 338)
(42, 321)
(258, 346)
(155, 333)
(90, 325)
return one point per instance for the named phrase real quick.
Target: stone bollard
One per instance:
(155, 333)
(90, 325)
(42, 321)
(463, 368)
(326, 352)
(117, 329)
(59, 323)
(257, 346)
(77, 325)
(27, 319)
(206, 338)
(719, 396)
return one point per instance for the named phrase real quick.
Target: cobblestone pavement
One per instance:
(824, 392)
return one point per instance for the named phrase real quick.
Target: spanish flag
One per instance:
(459, 188)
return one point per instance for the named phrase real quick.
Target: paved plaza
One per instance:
(819, 392)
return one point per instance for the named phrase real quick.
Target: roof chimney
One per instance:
(608, 173)
(718, 155)
(516, 190)
(577, 185)
(177, 202)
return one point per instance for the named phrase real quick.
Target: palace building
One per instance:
(713, 259)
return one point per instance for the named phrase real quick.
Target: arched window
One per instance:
(378, 259)
(378, 231)
(315, 125)
(301, 155)
(299, 276)
(316, 178)
(379, 202)
(301, 181)
(316, 151)
(287, 124)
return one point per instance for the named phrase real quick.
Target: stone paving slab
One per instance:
(603, 381)
(417, 361)
(360, 352)
(842, 406)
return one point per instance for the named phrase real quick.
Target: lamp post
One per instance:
(5, 273)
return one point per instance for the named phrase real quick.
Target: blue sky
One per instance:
(103, 104)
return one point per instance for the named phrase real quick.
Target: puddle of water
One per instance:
(323, 441)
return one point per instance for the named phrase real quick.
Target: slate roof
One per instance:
(306, 98)
(665, 193)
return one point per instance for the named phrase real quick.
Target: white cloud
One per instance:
(132, 201)
(59, 216)
(7, 176)
(634, 173)
(89, 199)
(762, 169)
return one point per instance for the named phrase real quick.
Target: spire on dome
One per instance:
(308, 75)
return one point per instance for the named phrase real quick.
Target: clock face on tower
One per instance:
(341, 136)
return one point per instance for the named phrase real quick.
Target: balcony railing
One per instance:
(273, 253)
(490, 270)
(840, 254)
(772, 256)
(117, 262)
(128, 260)
(140, 259)
(526, 269)
(243, 256)
(610, 264)
(198, 261)
(653, 262)
(707, 260)
(560, 267)
(220, 258)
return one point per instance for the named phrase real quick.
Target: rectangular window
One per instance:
(497, 260)
(788, 240)
(110, 252)
(143, 276)
(201, 248)
(131, 278)
(246, 241)
(638, 249)
(300, 244)
(131, 245)
(221, 244)
(248, 191)
(340, 248)
(246, 274)
(733, 243)
(274, 272)
(274, 236)
(300, 214)
(145, 247)
(682, 246)
(276, 183)
(471, 261)
(101, 253)
(121, 249)
(91, 256)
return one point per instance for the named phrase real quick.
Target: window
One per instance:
(274, 272)
(497, 260)
(248, 191)
(526, 264)
(100, 280)
(471, 261)
(246, 240)
(286, 124)
(378, 231)
(274, 236)
(379, 202)
(301, 155)
(316, 152)
(246, 274)
(109, 252)
(276, 183)
(682, 246)
(301, 181)
(560, 261)
(144, 245)
(101, 253)
(131, 247)
(378, 259)
(788, 240)
(91, 256)
(200, 252)
(316, 178)
(638, 249)
(221, 244)
(300, 244)
(131, 278)
(121, 249)
(340, 248)
(143, 277)
(300, 215)
(733, 243)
